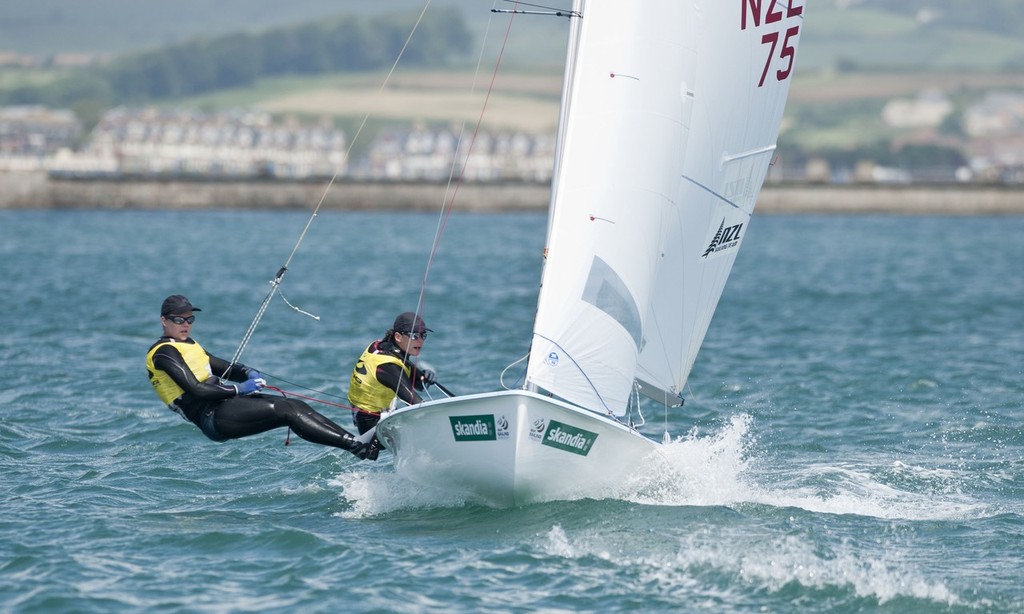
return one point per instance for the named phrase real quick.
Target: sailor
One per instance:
(185, 377)
(385, 372)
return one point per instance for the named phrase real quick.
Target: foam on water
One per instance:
(759, 562)
(786, 559)
(695, 469)
(857, 490)
(377, 491)
(722, 469)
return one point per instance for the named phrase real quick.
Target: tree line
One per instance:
(199, 66)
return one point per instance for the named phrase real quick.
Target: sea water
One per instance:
(852, 438)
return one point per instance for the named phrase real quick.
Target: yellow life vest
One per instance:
(364, 390)
(196, 358)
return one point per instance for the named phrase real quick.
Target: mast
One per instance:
(568, 76)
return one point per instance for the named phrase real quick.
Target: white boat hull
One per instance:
(512, 448)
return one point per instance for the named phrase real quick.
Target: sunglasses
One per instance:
(415, 336)
(181, 320)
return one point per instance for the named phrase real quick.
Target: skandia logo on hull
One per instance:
(727, 237)
(569, 438)
(473, 428)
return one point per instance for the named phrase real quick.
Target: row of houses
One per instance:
(177, 142)
(13, 59)
(437, 154)
(993, 131)
(155, 142)
(36, 131)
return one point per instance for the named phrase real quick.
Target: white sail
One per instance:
(673, 116)
(742, 83)
(669, 118)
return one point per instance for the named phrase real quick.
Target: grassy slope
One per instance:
(876, 40)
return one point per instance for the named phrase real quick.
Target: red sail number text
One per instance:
(773, 12)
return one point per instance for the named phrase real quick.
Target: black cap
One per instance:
(409, 322)
(176, 303)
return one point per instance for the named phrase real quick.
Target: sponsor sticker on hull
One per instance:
(473, 428)
(568, 438)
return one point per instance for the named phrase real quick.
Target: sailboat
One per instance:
(668, 124)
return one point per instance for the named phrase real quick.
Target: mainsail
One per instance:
(673, 113)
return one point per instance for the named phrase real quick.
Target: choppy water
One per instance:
(853, 440)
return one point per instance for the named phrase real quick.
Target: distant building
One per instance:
(998, 114)
(36, 131)
(994, 158)
(77, 60)
(190, 143)
(429, 154)
(928, 110)
(16, 60)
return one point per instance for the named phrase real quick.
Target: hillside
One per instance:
(931, 35)
(855, 57)
(116, 26)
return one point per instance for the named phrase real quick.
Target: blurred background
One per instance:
(886, 92)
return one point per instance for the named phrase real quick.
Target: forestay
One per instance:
(644, 231)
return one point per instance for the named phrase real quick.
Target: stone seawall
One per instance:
(36, 190)
(953, 199)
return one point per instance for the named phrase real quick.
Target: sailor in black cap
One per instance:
(384, 372)
(189, 381)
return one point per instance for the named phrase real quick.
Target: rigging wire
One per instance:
(278, 278)
(520, 379)
(340, 403)
(547, 10)
(449, 202)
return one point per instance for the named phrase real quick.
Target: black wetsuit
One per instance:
(222, 415)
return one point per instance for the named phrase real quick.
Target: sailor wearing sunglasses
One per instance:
(385, 372)
(190, 381)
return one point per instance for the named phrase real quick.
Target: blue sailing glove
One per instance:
(249, 386)
(255, 376)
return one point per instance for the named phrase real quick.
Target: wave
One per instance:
(724, 469)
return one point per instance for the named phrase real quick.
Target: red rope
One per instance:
(286, 394)
(302, 396)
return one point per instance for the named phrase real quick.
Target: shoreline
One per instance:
(38, 190)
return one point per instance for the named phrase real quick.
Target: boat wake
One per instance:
(378, 491)
(724, 469)
(759, 563)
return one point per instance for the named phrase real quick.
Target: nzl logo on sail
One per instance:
(726, 237)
